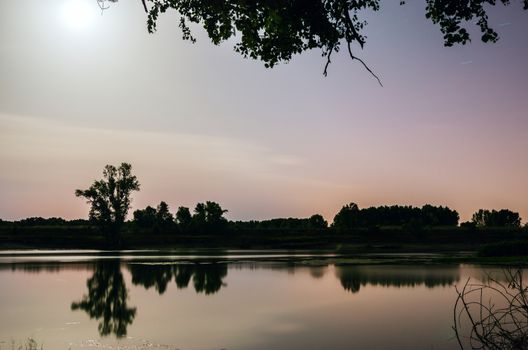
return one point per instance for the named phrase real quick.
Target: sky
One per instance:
(79, 90)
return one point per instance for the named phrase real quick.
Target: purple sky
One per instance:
(79, 90)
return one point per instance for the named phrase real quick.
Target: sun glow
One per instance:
(78, 14)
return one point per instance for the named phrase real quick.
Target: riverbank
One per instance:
(371, 240)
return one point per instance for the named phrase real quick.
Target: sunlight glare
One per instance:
(78, 14)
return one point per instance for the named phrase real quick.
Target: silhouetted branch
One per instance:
(363, 63)
(328, 61)
(500, 323)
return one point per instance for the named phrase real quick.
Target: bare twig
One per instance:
(500, 323)
(363, 63)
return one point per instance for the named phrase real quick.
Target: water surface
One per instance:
(242, 300)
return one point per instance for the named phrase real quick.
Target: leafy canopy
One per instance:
(274, 30)
(110, 197)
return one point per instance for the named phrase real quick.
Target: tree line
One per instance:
(206, 217)
(110, 200)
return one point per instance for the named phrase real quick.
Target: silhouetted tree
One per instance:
(314, 222)
(347, 217)
(145, 217)
(183, 218)
(439, 216)
(273, 31)
(215, 215)
(110, 199)
(209, 217)
(199, 217)
(494, 218)
(317, 221)
(106, 300)
(163, 216)
(410, 217)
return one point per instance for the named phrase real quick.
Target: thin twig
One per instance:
(363, 63)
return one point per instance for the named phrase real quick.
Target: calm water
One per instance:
(142, 300)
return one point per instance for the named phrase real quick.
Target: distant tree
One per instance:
(439, 216)
(494, 218)
(183, 217)
(396, 215)
(317, 221)
(215, 215)
(480, 217)
(208, 216)
(39, 221)
(199, 217)
(163, 216)
(347, 217)
(145, 218)
(110, 198)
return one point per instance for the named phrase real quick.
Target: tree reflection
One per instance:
(206, 278)
(107, 298)
(157, 276)
(353, 277)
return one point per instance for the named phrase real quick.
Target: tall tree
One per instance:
(110, 198)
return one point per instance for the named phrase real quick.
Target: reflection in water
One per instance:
(107, 298)
(353, 277)
(157, 276)
(207, 278)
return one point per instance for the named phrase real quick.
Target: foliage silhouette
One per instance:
(208, 217)
(163, 216)
(145, 217)
(350, 216)
(159, 218)
(273, 31)
(316, 221)
(494, 218)
(106, 300)
(110, 200)
(183, 218)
